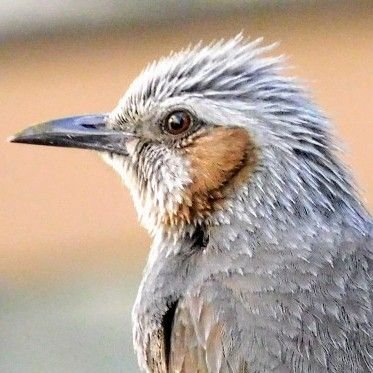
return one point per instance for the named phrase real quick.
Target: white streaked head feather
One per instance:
(233, 83)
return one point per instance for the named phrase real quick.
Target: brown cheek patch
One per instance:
(221, 161)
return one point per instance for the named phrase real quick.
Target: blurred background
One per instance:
(71, 250)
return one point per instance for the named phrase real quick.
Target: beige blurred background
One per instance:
(71, 250)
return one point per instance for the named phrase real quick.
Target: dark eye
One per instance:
(178, 122)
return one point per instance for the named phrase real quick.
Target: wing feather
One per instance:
(199, 343)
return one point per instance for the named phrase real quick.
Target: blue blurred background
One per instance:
(71, 250)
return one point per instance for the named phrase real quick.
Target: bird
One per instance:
(262, 254)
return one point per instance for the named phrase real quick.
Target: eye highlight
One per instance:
(178, 122)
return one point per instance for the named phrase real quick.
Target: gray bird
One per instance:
(262, 255)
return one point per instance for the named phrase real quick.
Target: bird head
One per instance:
(207, 133)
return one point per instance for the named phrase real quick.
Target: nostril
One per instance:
(91, 126)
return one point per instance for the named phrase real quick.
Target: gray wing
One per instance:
(202, 338)
(205, 335)
(213, 332)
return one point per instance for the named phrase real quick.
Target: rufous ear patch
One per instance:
(221, 160)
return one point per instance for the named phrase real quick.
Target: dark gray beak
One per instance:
(83, 131)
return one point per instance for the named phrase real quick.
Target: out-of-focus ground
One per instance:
(71, 250)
